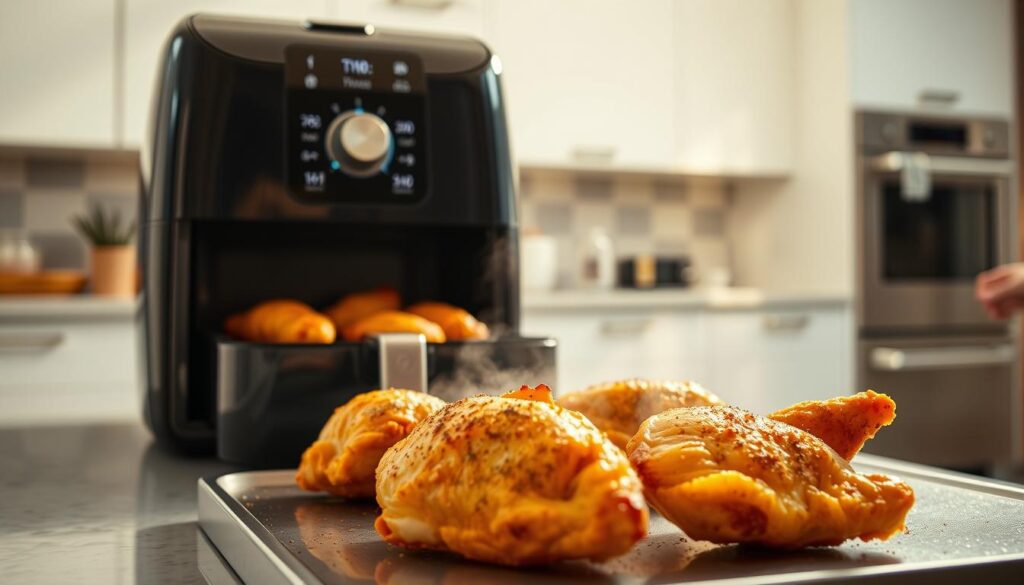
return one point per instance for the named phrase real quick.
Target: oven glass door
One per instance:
(922, 254)
(949, 235)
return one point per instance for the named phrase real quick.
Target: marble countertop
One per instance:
(686, 298)
(97, 504)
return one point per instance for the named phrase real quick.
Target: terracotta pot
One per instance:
(113, 271)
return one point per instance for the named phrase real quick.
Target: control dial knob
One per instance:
(360, 142)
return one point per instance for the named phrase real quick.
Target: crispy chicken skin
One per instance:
(356, 306)
(281, 321)
(725, 475)
(513, 480)
(457, 323)
(393, 322)
(844, 423)
(618, 408)
(343, 460)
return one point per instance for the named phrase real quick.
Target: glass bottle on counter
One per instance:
(596, 260)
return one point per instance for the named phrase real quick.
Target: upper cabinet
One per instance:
(734, 86)
(906, 54)
(148, 23)
(462, 17)
(57, 84)
(586, 81)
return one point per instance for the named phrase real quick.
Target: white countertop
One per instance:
(21, 308)
(687, 298)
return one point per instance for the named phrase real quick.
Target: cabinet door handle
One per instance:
(593, 154)
(786, 322)
(424, 4)
(932, 358)
(30, 342)
(938, 97)
(631, 328)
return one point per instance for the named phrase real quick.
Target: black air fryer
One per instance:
(309, 161)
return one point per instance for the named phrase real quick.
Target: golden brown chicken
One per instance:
(725, 475)
(513, 480)
(394, 322)
(618, 408)
(457, 323)
(356, 306)
(343, 460)
(281, 321)
(844, 423)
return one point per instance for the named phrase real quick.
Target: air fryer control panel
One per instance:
(356, 125)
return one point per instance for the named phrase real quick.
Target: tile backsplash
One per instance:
(640, 215)
(40, 195)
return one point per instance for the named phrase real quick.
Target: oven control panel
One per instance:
(356, 125)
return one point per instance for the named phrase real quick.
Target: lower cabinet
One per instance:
(765, 360)
(600, 345)
(80, 371)
(760, 359)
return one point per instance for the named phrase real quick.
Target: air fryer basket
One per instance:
(272, 400)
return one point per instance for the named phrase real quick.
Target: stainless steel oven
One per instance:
(934, 210)
(935, 204)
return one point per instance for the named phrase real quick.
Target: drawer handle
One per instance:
(895, 360)
(30, 342)
(786, 322)
(633, 328)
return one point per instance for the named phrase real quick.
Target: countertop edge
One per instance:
(686, 299)
(21, 309)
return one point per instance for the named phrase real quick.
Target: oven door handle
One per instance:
(895, 162)
(890, 359)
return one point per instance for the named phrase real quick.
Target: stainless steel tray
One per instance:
(961, 528)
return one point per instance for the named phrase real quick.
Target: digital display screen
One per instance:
(324, 88)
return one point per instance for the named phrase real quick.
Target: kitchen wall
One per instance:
(42, 194)
(642, 215)
(798, 234)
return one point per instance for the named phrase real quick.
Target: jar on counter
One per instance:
(17, 253)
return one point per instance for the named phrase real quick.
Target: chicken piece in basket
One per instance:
(514, 480)
(343, 460)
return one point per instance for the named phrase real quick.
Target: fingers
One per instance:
(1000, 283)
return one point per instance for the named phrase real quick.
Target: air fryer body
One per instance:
(243, 202)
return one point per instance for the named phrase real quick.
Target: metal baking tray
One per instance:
(961, 528)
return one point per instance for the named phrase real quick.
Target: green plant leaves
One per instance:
(105, 228)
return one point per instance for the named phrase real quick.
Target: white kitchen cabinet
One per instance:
(601, 345)
(57, 84)
(960, 47)
(148, 23)
(768, 359)
(460, 17)
(734, 86)
(68, 371)
(587, 80)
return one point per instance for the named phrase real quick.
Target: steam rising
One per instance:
(494, 367)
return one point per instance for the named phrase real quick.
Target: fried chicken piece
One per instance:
(725, 475)
(394, 322)
(513, 480)
(343, 460)
(457, 323)
(844, 423)
(356, 306)
(618, 408)
(281, 321)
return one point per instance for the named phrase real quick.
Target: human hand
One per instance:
(1001, 290)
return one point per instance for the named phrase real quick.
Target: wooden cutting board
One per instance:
(46, 282)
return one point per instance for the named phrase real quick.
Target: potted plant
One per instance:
(113, 255)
